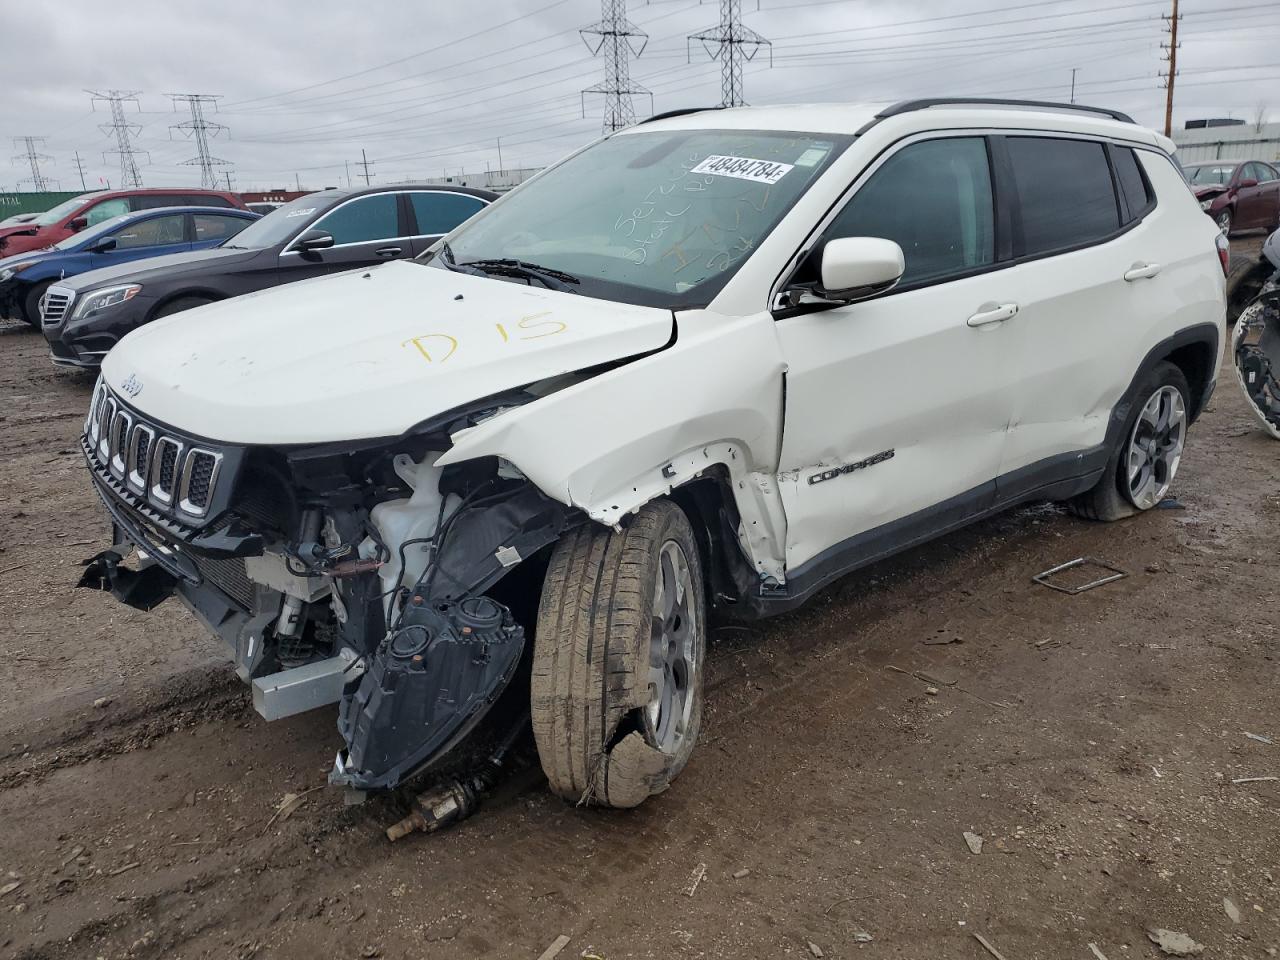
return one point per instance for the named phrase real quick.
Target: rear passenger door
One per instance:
(214, 229)
(437, 212)
(366, 230)
(1087, 277)
(153, 237)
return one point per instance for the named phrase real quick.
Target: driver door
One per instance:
(153, 237)
(366, 230)
(897, 408)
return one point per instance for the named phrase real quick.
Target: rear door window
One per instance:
(213, 226)
(439, 212)
(205, 200)
(154, 201)
(1065, 193)
(363, 220)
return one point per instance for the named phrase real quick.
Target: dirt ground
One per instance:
(1092, 741)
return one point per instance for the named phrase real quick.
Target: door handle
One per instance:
(1141, 271)
(387, 252)
(997, 314)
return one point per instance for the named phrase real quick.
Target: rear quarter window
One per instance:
(1065, 194)
(1135, 190)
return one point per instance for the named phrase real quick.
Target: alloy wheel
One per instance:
(673, 652)
(1155, 447)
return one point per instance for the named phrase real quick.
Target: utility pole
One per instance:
(619, 40)
(500, 166)
(347, 165)
(123, 131)
(734, 45)
(80, 170)
(364, 162)
(1073, 83)
(297, 182)
(228, 174)
(1171, 56)
(31, 145)
(200, 130)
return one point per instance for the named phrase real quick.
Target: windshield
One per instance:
(279, 225)
(92, 233)
(50, 217)
(659, 219)
(1210, 173)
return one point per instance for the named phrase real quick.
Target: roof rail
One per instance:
(908, 106)
(683, 111)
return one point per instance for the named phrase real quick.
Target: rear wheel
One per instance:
(31, 303)
(1148, 451)
(181, 304)
(618, 657)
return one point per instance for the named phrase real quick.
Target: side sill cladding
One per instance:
(614, 442)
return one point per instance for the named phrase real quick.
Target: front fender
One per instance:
(609, 444)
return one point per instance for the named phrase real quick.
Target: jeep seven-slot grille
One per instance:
(169, 472)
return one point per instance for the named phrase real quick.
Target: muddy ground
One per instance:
(1091, 740)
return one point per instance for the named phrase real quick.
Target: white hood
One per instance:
(364, 354)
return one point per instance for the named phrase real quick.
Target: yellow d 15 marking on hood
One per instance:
(531, 323)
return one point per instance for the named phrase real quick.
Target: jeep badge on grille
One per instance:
(132, 386)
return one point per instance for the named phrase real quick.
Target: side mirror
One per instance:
(105, 245)
(78, 224)
(313, 240)
(1246, 182)
(854, 268)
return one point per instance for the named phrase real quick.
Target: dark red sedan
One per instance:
(1238, 194)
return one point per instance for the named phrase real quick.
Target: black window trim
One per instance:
(1008, 219)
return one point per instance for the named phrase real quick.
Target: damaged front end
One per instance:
(361, 573)
(1255, 344)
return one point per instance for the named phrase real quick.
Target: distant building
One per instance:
(499, 181)
(1227, 140)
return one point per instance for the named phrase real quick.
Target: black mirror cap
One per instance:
(104, 245)
(314, 240)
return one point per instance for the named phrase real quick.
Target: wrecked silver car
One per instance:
(1255, 342)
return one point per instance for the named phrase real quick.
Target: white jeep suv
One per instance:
(704, 365)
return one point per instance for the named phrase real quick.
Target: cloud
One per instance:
(429, 88)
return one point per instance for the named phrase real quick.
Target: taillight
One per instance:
(1224, 254)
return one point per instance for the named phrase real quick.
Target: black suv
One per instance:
(84, 317)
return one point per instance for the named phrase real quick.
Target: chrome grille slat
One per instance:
(166, 470)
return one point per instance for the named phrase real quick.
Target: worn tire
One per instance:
(590, 683)
(1108, 500)
(31, 303)
(179, 305)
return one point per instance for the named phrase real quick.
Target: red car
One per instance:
(1238, 194)
(74, 215)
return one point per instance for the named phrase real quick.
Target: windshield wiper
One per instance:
(552, 279)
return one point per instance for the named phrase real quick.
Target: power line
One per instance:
(124, 132)
(734, 45)
(32, 145)
(618, 41)
(200, 130)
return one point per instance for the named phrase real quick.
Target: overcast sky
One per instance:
(430, 87)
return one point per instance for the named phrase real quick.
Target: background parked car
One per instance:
(18, 218)
(1238, 194)
(25, 278)
(90, 209)
(317, 234)
(264, 206)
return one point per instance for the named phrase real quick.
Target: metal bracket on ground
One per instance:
(1116, 574)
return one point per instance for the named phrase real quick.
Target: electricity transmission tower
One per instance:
(39, 182)
(734, 45)
(124, 131)
(1171, 55)
(200, 130)
(619, 40)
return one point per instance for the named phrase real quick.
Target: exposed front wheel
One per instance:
(181, 304)
(31, 303)
(1223, 220)
(1145, 459)
(618, 659)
